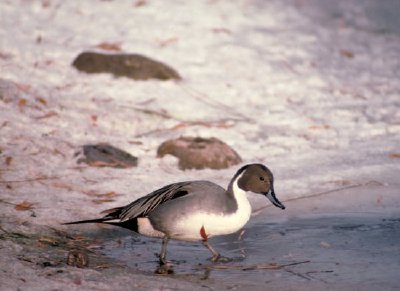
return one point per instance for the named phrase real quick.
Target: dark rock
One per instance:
(200, 153)
(105, 155)
(133, 66)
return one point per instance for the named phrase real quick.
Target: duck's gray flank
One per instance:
(194, 210)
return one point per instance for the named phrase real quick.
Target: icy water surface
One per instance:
(360, 250)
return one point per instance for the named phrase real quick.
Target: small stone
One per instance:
(199, 153)
(77, 259)
(105, 155)
(133, 66)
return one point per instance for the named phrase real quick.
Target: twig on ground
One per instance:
(29, 180)
(298, 274)
(3, 230)
(273, 266)
(318, 272)
(222, 123)
(255, 212)
(162, 114)
(6, 202)
(261, 266)
(218, 124)
(215, 104)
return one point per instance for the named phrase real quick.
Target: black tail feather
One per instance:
(98, 220)
(111, 214)
(129, 224)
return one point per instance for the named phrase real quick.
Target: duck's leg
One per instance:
(164, 267)
(204, 236)
(163, 253)
(215, 254)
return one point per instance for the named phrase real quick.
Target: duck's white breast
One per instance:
(214, 223)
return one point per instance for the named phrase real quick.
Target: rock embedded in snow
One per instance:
(133, 66)
(199, 153)
(105, 155)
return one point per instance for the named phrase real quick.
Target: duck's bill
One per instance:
(271, 196)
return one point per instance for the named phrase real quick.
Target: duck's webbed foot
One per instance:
(216, 256)
(221, 259)
(164, 269)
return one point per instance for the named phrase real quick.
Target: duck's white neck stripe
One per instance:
(239, 194)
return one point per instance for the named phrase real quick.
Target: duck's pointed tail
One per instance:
(111, 217)
(110, 214)
(98, 220)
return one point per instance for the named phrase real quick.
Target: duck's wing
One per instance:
(141, 207)
(144, 205)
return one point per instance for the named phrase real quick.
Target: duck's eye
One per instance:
(262, 178)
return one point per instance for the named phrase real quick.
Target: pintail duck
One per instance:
(194, 210)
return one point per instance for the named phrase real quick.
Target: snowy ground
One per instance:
(309, 88)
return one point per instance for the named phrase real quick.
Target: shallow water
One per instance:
(336, 250)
